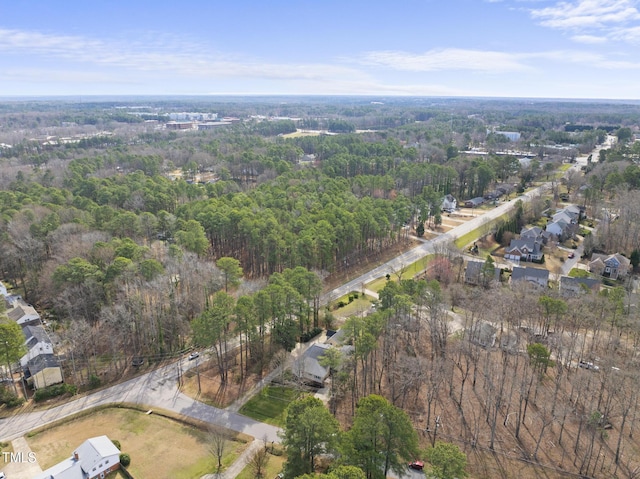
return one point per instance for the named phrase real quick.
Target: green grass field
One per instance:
(408, 272)
(270, 405)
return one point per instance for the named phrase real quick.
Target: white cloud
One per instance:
(177, 57)
(589, 39)
(583, 14)
(446, 59)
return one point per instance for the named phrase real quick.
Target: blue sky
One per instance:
(495, 48)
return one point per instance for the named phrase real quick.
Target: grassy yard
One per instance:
(408, 272)
(159, 447)
(362, 303)
(270, 405)
(473, 235)
(274, 466)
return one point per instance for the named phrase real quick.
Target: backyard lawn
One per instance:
(270, 404)
(159, 447)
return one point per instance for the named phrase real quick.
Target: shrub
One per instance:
(53, 391)
(117, 444)
(125, 459)
(310, 334)
(9, 398)
(94, 381)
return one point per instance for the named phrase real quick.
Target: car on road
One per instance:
(572, 255)
(2, 476)
(194, 355)
(588, 365)
(417, 465)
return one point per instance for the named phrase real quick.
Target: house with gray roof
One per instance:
(612, 266)
(94, 458)
(43, 370)
(570, 287)
(307, 367)
(535, 233)
(449, 204)
(537, 276)
(523, 250)
(473, 274)
(474, 202)
(23, 313)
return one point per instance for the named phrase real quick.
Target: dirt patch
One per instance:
(210, 390)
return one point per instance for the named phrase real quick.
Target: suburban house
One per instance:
(94, 458)
(560, 229)
(564, 223)
(483, 334)
(523, 250)
(449, 204)
(307, 366)
(40, 365)
(536, 276)
(22, 312)
(534, 233)
(575, 286)
(43, 370)
(612, 266)
(474, 202)
(505, 188)
(473, 274)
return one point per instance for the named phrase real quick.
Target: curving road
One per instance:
(157, 388)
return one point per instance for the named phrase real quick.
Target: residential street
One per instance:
(155, 389)
(159, 388)
(428, 247)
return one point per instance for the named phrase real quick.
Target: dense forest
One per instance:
(138, 240)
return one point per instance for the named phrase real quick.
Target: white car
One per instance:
(192, 356)
(588, 365)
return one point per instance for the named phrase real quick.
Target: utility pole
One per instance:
(6, 350)
(198, 373)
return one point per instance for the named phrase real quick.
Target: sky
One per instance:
(483, 48)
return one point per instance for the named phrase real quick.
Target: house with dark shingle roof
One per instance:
(473, 273)
(536, 276)
(570, 286)
(523, 250)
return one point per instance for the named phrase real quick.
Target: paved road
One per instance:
(429, 247)
(156, 389)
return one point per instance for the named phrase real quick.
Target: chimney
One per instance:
(75, 455)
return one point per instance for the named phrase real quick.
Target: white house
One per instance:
(449, 203)
(94, 458)
(22, 312)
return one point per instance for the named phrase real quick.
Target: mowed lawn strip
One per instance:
(270, 405)
(159, 447)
